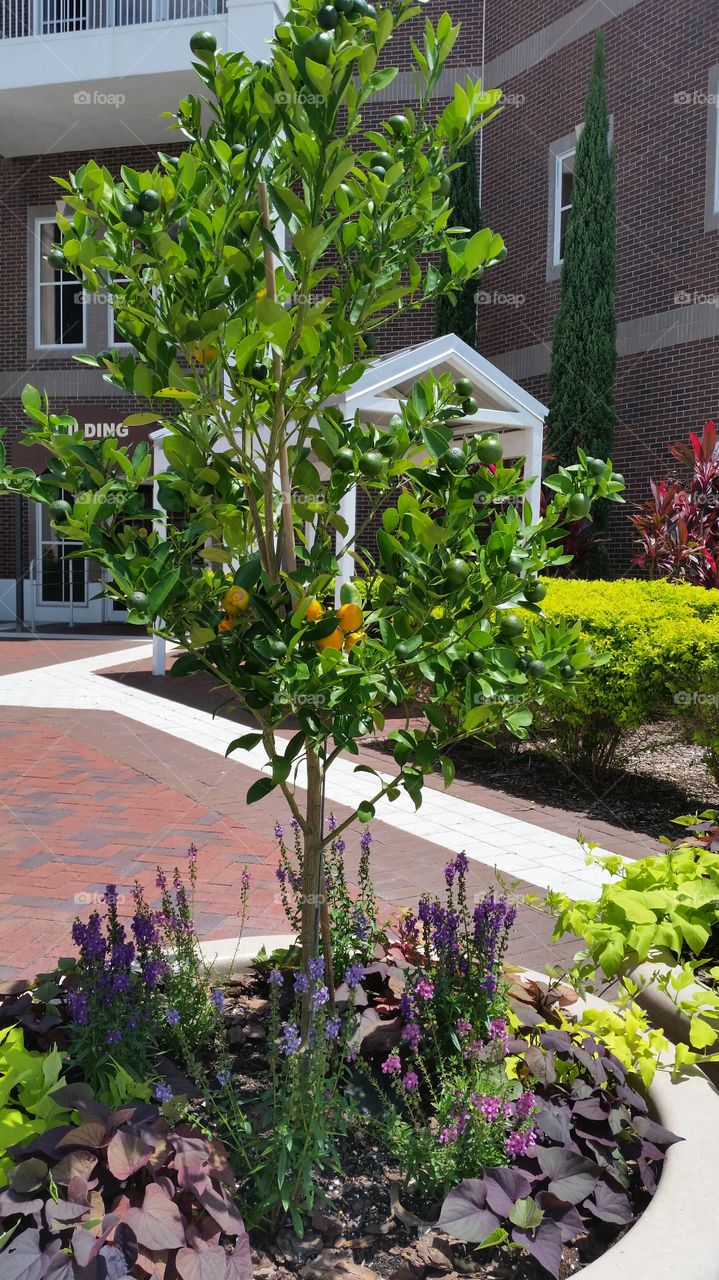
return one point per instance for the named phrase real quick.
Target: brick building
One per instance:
(663, 82)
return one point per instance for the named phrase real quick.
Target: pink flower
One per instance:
(424, 989)
(392, 1065)
(463, 1027)
(498, 1029)
(490, 1108)
(410, 1081)
(518, 1144)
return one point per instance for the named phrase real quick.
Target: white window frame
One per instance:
(559, 208)
(39, 285)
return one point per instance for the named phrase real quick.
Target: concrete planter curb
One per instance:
(662, 1010)
(226, 957)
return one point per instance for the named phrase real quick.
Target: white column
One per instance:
(346, 563)
(533, 467)
(159, 647)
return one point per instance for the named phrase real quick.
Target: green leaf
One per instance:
(259, 790)
(525, 1214)
(365, 811)
(244, 743)
(161, 591)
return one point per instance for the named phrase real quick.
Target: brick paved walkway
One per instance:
(94, 796)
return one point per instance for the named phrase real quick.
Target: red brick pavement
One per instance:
(75, 819)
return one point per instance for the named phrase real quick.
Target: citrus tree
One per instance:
(249, 277)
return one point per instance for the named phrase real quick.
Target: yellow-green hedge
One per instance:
(661, 642)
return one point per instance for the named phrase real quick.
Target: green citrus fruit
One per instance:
(402, 653)
(260, 372)
(370, 340)
(457, 572)
(60, 510)
(203, 42)
(318, 47)
(328, 17)
(149, 201)
(534, 591)
(595, 466)
(464, 388)
(476, 661)
(137, 600)
(567, 670)
(399, 125)
(617, 477)
(344, 6)
(56, 259)
(522, 662)
(344, 459)
(579, 505)
(489, 450)
(277, 647)
(469, 406)
(515, 565)
(132, 215)
(372, 464)
(511, 625)
(454, 459)
(379, 171)
(382, 158)
(537, 669)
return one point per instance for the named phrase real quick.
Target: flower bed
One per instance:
(431, 1091)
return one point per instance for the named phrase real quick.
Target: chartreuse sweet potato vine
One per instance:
(661, 910)
(249, 277)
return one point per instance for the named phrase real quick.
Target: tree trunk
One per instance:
(315, 907)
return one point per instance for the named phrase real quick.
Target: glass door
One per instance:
(62, 581)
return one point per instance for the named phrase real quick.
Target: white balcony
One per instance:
(81, 74)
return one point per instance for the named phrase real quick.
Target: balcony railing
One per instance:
(20, 18)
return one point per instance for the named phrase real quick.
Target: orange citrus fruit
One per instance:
(235, 600)
(225, 625)
(314, 611)
(333, 641)
(352, 639)
(350, 617)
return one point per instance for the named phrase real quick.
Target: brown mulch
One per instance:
(659, 778)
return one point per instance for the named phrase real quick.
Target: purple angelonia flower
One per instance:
(518, 1144)
(291, 1040)
(392, 1065)
(218, 999)
(302, 984)
(333, 1026)
(276, 980)
(354, 975)
(410, 1081)
(172, 1017)
(163, 1092)
(113, 1036)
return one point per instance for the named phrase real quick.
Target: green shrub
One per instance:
(660, 644)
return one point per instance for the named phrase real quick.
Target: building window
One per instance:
(117, 339)
(62, 579)
(711, 214)
(59, 298)
(563, 183)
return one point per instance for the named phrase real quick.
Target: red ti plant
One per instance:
(679, 526)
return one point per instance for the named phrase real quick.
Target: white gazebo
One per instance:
(502, 407)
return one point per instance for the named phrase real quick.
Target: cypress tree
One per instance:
(460, 317)
(581, 380)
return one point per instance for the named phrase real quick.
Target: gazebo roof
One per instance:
(502, 404)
